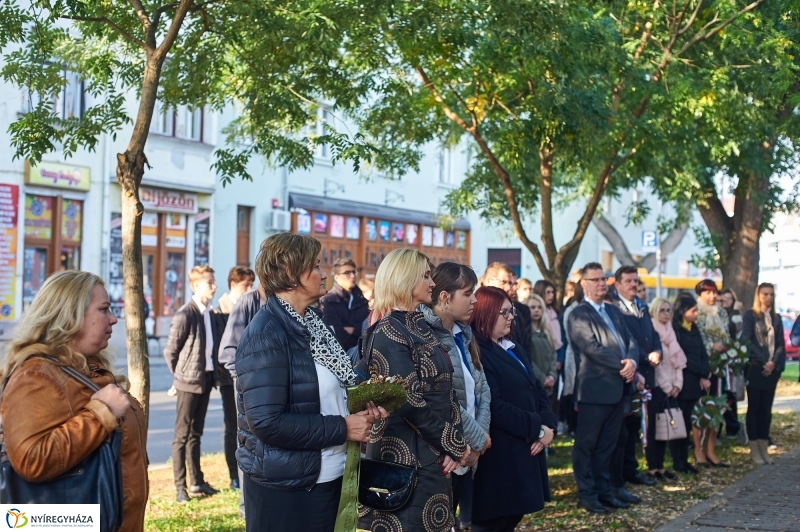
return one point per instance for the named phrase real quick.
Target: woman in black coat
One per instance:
(511, 479)
(695, 378)
(762, 331)
(292, 398)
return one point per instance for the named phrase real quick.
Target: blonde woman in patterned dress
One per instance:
(426, 431)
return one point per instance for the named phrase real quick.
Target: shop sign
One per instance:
(116, 285)
(9, 201)
(176, 231)
(58, 175)
(202, 234)
(158, 200)
(38, 217)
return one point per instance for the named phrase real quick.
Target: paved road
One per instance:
(162, 417)
(767, 499)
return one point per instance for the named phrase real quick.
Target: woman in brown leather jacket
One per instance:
(51, 421)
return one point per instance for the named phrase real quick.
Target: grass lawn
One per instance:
(660, 503)
(791, 372)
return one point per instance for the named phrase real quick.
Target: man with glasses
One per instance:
(607, 365)
(345, 307)
(501, 276)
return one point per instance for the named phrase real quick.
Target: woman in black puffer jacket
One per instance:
(292, 399)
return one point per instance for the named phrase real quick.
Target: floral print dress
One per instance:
(421, 432)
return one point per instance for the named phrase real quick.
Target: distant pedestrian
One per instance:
(762, 331)
(191, 355)
(240, 281)
(52, 422)
(543, 354)
(292, 378)
(524, 290)
(345, 308)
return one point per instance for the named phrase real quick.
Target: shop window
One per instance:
(164, 262)
(69, 102)
(243, 215)
(53, 233)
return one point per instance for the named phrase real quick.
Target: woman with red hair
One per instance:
(512, 478)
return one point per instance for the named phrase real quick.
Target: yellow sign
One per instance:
(58, 175)
(9, 196)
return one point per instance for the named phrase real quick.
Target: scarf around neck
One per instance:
(325, 349)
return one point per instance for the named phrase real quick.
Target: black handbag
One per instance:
(95, 480)
(385, 486)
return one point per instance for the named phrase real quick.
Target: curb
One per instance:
(682, 522)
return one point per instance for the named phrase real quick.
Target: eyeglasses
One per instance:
(348, 273)
(596, 279)
(502, 282)
(508, 313)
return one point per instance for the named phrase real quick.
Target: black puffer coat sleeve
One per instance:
(280, 390)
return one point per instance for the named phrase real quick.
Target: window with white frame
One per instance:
(69, 102)
(323, 118)
(444, 161)
(181, 122)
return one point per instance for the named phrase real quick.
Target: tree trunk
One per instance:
(130, 169)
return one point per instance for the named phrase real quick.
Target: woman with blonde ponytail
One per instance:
(51, 421)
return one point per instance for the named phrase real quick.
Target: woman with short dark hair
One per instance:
(292, 397)
(762, 330)
(512, 478)
(696, 381)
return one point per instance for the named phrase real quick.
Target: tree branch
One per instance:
(141, 14)
(717, 220)
(173, 30)
(502, 174)
(699, 36)
(614, 239)
(122, 33)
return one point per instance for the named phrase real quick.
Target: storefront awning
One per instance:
(357, 208)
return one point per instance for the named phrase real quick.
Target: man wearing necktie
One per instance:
(606, 353)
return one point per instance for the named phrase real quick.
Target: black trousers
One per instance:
(229, 429)
(568, 413)
(190, 419)
(680, 448)
(731, 415)
(759, 413)
(624, 464)
(300, 510)
(500, 524)
(595, 439)
(462, 498)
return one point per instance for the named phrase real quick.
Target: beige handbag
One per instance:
(670, 425)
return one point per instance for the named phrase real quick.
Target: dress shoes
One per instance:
(640, 479)
(203, 489)
(625, 496)
(687, 469)
(592, 506)
(182, 496)
(612, 502)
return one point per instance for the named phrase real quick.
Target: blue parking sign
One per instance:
(649, 241)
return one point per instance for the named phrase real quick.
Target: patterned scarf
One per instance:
(325, 349)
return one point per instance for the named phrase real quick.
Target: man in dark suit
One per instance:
(345, 307)
(637, 318)
(501, 276)
(607, 353)
(191, 355)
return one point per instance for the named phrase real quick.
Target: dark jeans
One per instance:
(462, 498)
(624, 464)
(656, 450)
(229, 429)
(731, 415)
(595, 439)
(759, 413)
(190, 418)
(501, 524)
(291, 511)
(680, 448)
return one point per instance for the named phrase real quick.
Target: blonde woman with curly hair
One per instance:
(51, 421)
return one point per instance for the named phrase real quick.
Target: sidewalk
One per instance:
(768, 499)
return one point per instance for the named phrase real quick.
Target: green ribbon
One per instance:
(347, 515)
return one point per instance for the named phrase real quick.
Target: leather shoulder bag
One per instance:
(670, 424)
(95, 480)
(385, 486)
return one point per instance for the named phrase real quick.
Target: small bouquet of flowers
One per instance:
(734, 358)
(708, 412)
(388, 392)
